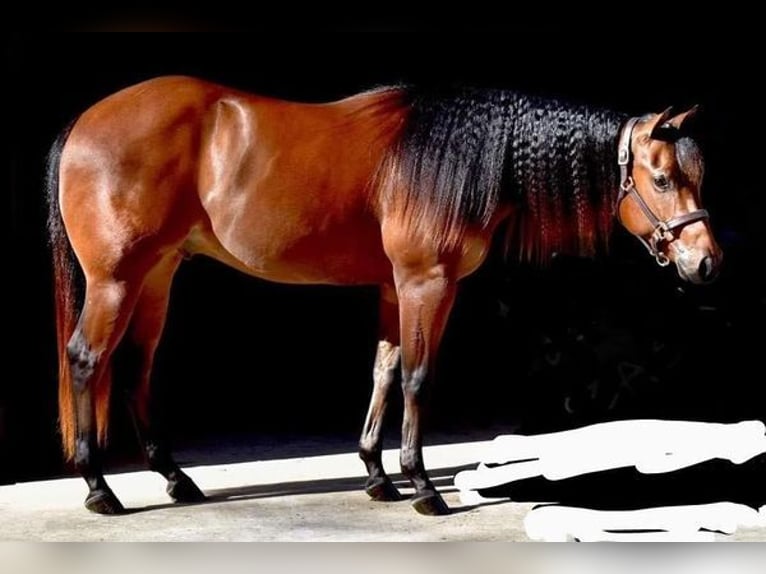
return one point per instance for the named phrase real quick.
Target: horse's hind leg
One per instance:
(385, 373)
(107, 309)
(136, 358)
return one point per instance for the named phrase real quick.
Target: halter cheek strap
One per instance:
(663, 231)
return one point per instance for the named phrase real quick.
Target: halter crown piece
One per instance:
(663, 230)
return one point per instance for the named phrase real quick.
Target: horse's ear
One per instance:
(659, 125)
(683, 120)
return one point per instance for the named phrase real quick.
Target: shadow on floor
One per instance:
(442, 479)
(628, 489)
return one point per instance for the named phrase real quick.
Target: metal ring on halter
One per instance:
(661, 233)
(661, 259)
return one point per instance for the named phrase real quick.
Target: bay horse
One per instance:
(399, 187)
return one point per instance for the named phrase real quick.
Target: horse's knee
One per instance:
(414, 382)
(82, 360)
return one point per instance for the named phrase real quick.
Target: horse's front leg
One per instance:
(426, 296)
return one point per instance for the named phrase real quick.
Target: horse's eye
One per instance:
(661, 182)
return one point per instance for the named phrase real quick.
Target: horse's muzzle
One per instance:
(707, 270)
(701, 271)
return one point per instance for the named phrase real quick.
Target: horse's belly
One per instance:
(349, 254)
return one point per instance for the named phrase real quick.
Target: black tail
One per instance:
(68, 289)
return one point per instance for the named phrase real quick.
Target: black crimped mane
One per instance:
(463, 151)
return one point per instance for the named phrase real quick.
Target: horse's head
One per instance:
(661, 171)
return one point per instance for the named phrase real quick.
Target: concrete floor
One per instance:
(304, 498)
(316, 498)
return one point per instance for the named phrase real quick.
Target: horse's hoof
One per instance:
(430, 504)
(382, 490)
(103, 502)
(183, 489)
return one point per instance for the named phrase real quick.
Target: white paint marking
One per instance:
(669, 524)
(651, 446)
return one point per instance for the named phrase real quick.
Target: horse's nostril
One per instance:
(706, 270)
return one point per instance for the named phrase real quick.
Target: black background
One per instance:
(545, 349)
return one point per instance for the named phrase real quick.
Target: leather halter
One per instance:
(663, 230)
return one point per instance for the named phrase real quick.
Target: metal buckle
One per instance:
(660, 234)
(623, 156)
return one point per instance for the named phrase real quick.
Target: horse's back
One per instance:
(273, 187)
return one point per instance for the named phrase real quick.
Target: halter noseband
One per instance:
(663, 230)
